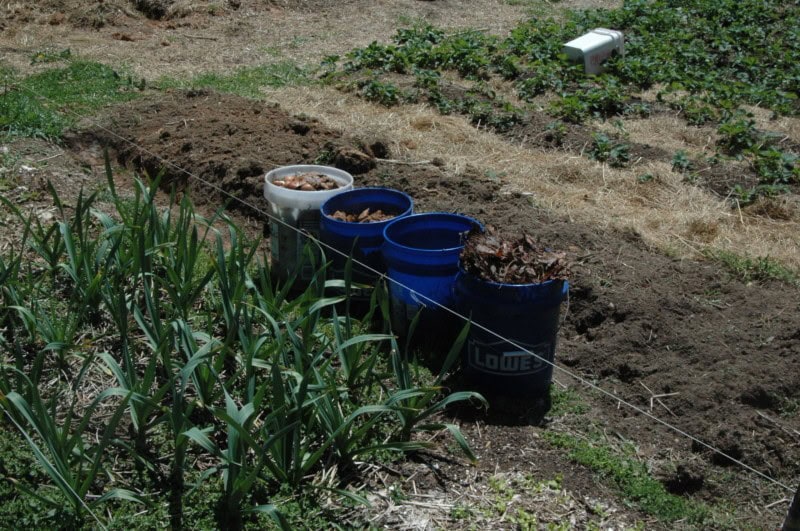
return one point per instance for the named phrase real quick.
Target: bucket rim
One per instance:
(414, 217)
(343, 177)
(355, 191)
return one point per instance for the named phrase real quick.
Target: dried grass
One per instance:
(669, 213)
(256, 33)
(668, 132)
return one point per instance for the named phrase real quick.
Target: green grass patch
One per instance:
(632, 478)
(622, 467)
(247, 82)
(566, 401)
(43, 105)
(754, 269)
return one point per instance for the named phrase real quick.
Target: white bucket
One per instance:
(594, 48)
(300, 210)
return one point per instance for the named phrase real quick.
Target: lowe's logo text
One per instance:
(490, 358)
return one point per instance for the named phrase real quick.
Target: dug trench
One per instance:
(639, 323)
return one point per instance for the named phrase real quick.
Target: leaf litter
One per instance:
(494, 257)
(365, 216)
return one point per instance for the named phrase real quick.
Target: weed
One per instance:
(8, 166)
(566, 401)
(789, 406)
(325, 156)
(759, 269)
(747, 195)
(638, 109)
(494, 175)
(632, 478)
(696, 112)
(461, 512)
(49, 56)
(526, 521)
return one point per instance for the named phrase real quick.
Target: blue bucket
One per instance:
(362, 241)
(528, 315)
(421, 254)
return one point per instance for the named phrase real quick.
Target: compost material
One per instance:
(491, 256)
(307, 182)
(365, 216)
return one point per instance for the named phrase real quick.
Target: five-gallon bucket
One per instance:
(421, 254)
(524, 314)
(297, 213)
(357, 239)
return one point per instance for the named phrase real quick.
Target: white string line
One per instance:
(53, 468)
(383, 275)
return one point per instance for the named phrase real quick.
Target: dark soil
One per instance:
(156, 9)
(227, 142)
(639, 322)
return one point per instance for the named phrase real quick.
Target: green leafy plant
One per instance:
(72, 464)
(681, 162)
(737, 134)
(50, 56)
(413, 405)
(380, 92)
(776, 167)
(606, 150)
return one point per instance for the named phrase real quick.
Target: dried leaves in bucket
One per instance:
(307, 182)
(365, 216)
(490, 256)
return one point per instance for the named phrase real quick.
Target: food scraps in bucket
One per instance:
(365, 216)
(490, 256)
(307, 182)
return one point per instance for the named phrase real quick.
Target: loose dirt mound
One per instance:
(639, 322)
(226, 141)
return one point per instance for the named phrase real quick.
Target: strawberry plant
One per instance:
(606, 150)
(776, 167)
(708, 58)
